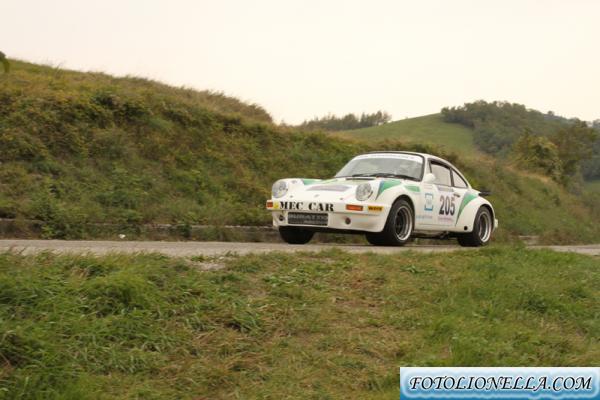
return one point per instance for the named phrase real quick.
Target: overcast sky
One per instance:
(304, 58)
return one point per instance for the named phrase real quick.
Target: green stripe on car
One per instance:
(466, 200)
(310, 181)
(384, 185)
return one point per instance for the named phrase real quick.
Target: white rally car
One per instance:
(389, 196)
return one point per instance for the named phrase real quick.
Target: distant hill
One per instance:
(483, 127)
(497, 125)
(80, 148)
(430, 129)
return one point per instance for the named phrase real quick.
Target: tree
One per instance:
(575, 145)
(591, 168)
(4, 62)
(538, 153)
(562, 156)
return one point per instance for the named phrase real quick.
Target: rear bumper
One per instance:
(371, 218)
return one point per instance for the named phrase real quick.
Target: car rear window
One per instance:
(442, 174)
(459, 182)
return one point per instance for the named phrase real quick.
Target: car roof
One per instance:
(408, 152)
(411, 152)
(424, 155)
(402, 152)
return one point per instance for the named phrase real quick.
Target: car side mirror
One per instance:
(429, 178)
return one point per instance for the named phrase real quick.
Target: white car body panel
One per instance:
(437, 208)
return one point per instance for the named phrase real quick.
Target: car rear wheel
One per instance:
(482, 230)
(295, 235)
(398, 226)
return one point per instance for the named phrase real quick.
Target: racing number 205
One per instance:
(447, 206)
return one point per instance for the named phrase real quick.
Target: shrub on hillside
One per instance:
(18, 145)
(559, 156)
(574, 144)
(539, 154)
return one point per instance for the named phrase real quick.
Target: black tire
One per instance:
(482, 230)
(398, 226)
(294, 235)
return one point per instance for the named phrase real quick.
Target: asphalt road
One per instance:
(217, 248)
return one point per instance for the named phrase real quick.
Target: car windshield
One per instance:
(396, 165)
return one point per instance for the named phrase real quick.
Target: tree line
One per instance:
(332, 122)
(564, 149)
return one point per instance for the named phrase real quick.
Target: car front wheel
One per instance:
(295, 235)
(398, 226)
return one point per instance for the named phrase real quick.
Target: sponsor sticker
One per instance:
(500, 383)
(428, 201)
(427, 217)
(303, 205)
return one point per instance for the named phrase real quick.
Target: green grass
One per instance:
(313, 326)
(429, 129)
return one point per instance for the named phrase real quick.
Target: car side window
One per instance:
(442, 174)
(459, 182)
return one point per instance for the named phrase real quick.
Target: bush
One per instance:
(17, 145)
(538, 154)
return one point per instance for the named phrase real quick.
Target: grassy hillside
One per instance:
(80, 149)
(429, 129)
(591, 197)
(328, 325)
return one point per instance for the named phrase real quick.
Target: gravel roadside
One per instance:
(216, 248)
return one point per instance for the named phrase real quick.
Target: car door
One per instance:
(446, 200)
(428, 210)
